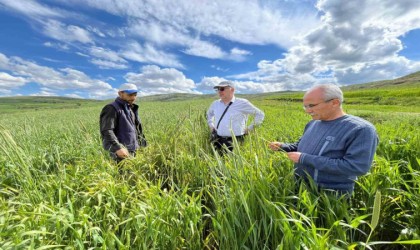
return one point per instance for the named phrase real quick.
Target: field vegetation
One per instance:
(60, 190)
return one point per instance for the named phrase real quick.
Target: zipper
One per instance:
(328, 139)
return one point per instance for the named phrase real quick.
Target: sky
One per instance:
(88, 48)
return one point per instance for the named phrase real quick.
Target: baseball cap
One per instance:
(128, 88)
(225, 84)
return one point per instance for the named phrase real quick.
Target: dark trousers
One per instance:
(223, 142)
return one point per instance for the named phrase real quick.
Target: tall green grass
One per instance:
(60, 190)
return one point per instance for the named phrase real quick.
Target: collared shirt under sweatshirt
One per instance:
(236, 117)
(335, 152)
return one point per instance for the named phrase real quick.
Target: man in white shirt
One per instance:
(228, 116)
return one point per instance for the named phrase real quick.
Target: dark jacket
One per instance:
(118, 129)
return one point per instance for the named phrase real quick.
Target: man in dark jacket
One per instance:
(120, 125)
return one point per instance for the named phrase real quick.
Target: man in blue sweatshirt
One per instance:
(335, 147)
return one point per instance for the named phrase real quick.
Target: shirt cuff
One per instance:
(302, 158)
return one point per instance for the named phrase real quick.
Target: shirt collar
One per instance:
(125, 103)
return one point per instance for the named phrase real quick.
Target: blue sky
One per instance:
(87, 48)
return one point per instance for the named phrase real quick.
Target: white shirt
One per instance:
(235, 118)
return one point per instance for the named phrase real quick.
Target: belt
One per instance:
(230, 137)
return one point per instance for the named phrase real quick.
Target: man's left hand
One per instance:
(294, 156)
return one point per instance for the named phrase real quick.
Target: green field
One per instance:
(60, 190)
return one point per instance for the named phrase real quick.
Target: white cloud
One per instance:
(219, 68)
(31, 8)
(204, 49)
(64, 79)
(66, 33)
(44, 92)
(241, 87)
(239, 55)
(104, 64)
(168, 35)
(47, 17)
(81, 54)
(367, 72)
(6, 92)
(96, 31)
(183, 21)
(334, 41)
(191, 27)
(155, 80)
(149, 54)
(106, 54)
(358, 41)
(4, 62)
(101, 94)
(79, 80)
(160, 34)
(207, 83)
(11, 82)
(107, 59)
(58, 46)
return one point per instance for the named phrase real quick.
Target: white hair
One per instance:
(329, 92)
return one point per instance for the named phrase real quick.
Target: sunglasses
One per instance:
(221, 89)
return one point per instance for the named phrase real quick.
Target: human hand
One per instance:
(275, 146)
(294, 156)
(122, 153)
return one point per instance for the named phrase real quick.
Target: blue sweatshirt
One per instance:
(335, 152)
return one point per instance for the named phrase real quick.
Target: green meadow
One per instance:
(60, 190)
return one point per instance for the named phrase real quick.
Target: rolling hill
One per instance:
(411, 81)
(404, 91)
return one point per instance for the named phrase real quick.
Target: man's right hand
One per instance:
(274, 145)
(122, 153)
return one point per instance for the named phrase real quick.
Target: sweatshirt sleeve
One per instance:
(357, 159)
(108, 120)
(289, 147)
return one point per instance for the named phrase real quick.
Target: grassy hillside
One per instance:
(34, 103)
(60, 190)
(397, 94)
(401, 94)
(408, 81)
(172, 97)
(404, 91)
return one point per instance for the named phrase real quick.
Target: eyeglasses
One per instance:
(221, 89)
(310, 106)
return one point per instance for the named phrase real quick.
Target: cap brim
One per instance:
(130, 91)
